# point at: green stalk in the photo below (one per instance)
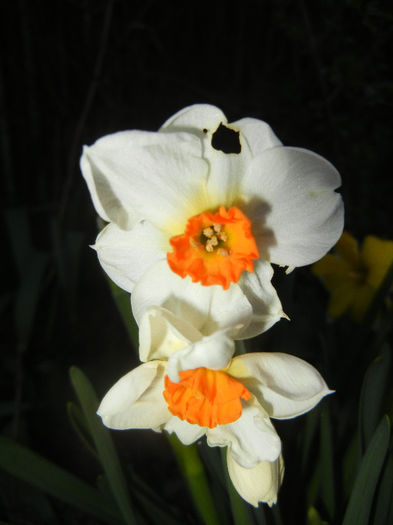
(194, 473)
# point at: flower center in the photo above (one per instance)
(205, 397)
(215, 247)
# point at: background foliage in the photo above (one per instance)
(73, 70)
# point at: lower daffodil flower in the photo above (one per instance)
(192, 387)
(212, 203)
(353, 275)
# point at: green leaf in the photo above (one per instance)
(79, 423)
(193, 471)
(41, 473)
(374, 385)
(103, 443)
(361, 500)
(384, 504)
(327, 468)
(313, 517)
(123, 303)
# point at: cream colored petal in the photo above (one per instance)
(161, 180)
(207, 308)
(258, 135)
(250, 439)
(290, 199)
(136, 400)
(126, 254)
(162, 334)
(195, 119)
(284, 385)
(214, 351)
(266, 306)
(186, 432)
(258, 484)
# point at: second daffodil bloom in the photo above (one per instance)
(211, 204)
(353, 275)
(191, 386)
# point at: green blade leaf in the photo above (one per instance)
(384, 506)
(41, 473)
(375, 382)
(327, 466)
(361, 500)
(103, 443)
(122, 300)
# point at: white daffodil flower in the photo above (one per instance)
(191, 386)
(204, 202)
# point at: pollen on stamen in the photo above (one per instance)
(215, 248)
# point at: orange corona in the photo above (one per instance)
(205, 397)
(215, 247)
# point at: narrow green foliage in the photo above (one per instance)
(327, 468)
(374, 385)
(103, 443)
(384, 501)
(362, 497)
(44, 475)
(78, 422)
(192, 468)
(122, 300)
(313, 517)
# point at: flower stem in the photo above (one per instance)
(193, 471)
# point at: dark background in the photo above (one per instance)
(319, 72)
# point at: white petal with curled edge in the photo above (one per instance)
(251, 439)
(285, 385)
(161, 180)
(258, 135)
(125, 254)
(195, 119)
(136, 400)
(207, 308)
(262, 295)
(290, 196)
(260, 483)
(214, 351)
(186, 432)
(161, 334)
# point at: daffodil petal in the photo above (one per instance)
(296, 215)
(208, 308)
(332, 270)
(250, 439)
(258, 135)
(285, 385)
(342, 295)
(161, 334)
(136, 400)
(262, 295)
(214, 351)
(196, 119)
(257, 484)
(347, 248)
(377, 255)
(186, 432)
(125, 254)
(161, 180)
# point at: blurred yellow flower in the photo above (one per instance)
(353, 275)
